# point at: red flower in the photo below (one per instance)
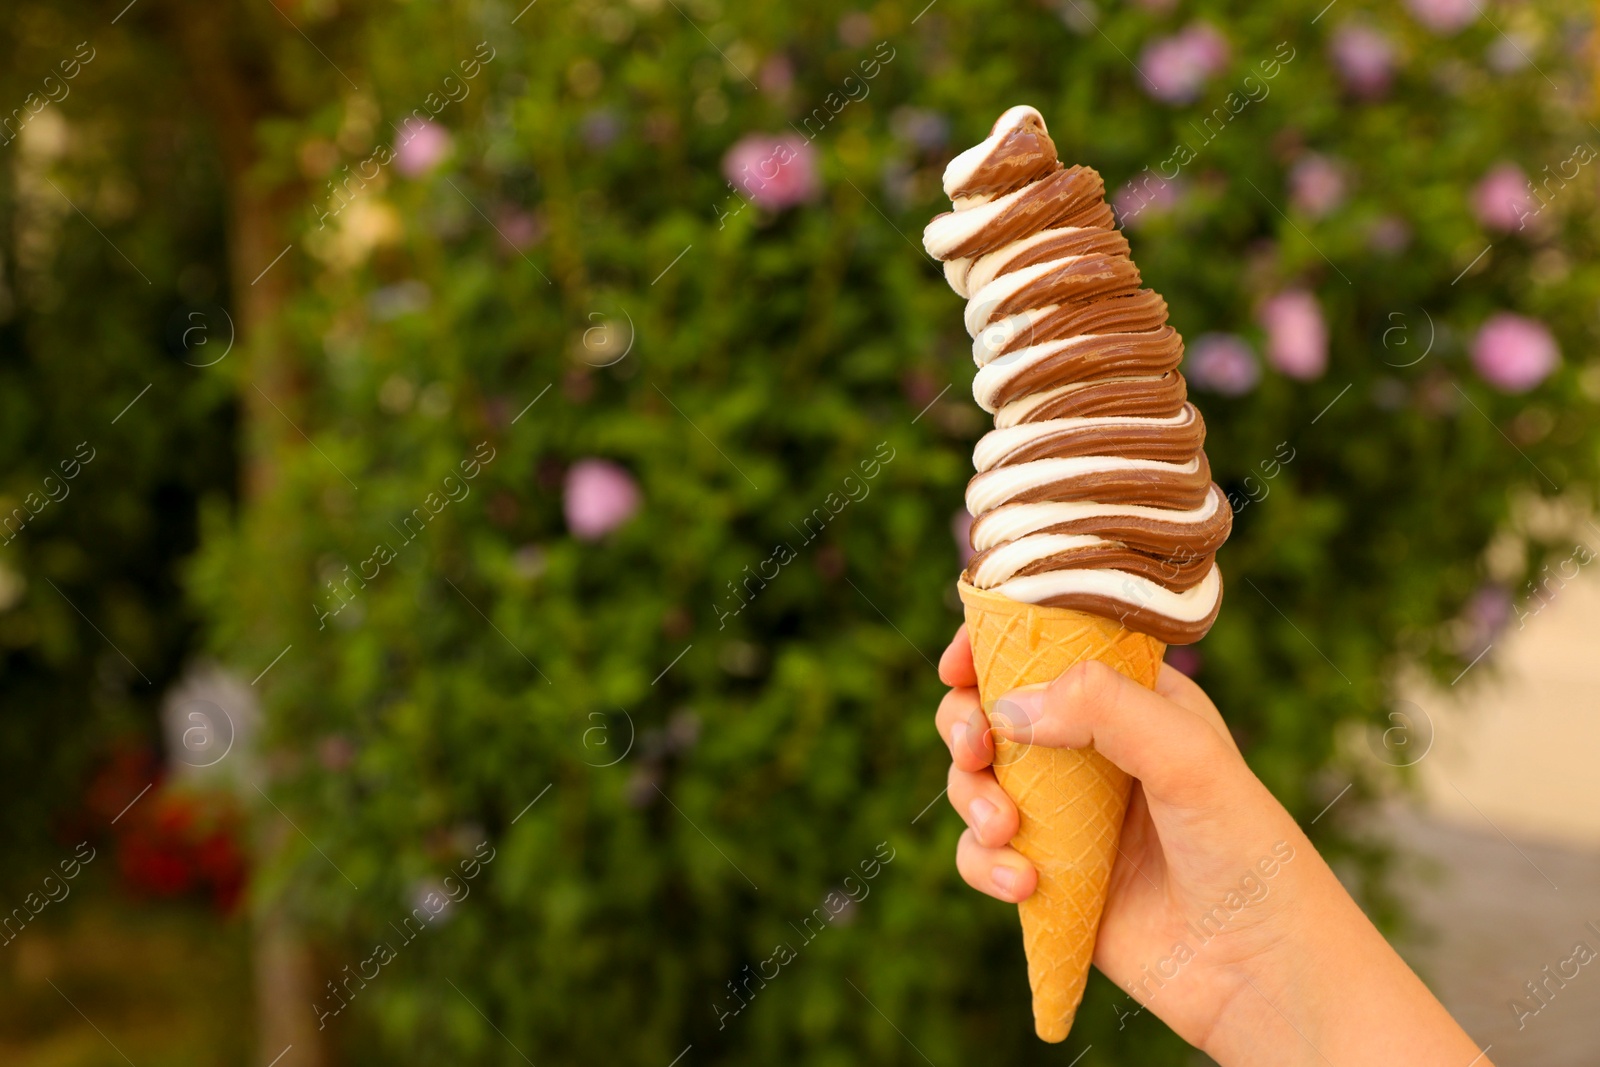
(179, 843)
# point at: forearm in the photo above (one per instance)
(1337, 995)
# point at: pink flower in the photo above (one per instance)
(773, 172)
(1364, 58)
(1388, 235)
(1222, 363)
(1444, 16)
(1316, 185)
(520, 228)
(776, 76)
(1509, 52)
(961, 530)
(855, 29)
(336, 752)
(1501, 198)
(1176, 68)
(1514, 353)
(1297, 335)
(920, 388)
(420, 147)
(599, 497)
(1155, 195)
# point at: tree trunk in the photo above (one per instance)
(233, 79)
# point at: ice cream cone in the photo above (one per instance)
(1095, 522)
(1071, 801)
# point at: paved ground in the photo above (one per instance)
(1496, 915)
(1510, 813)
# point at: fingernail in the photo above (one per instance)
(981, 811)
(1004, 877)
(958, 739)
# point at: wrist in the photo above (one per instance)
(1335, 992)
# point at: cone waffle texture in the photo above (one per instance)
(1071, 801)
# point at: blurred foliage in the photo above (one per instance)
(711, 778)
(111, 238)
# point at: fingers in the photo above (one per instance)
(978, 799)
(965, 729)
(955, 665)
(1178, 756)
(1002, 873)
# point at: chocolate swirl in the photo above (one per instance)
(1092, 492)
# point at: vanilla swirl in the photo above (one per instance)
(1092, 492)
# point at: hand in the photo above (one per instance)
(1221, 917)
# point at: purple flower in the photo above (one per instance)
(1222, 363)
(1483, 618)
(600, 128)
(1184, 659)
(925, 129)
(1514, 353)
(1501, 198)
(1316, 185)
(1365, 59)
(773, 172)
(1444, 16)
(961, 530)
(1297, 335)
(599, 497)
(421, 147)
(1176, 68)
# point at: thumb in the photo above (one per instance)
(1175, 753)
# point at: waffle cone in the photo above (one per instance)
(1071, 801)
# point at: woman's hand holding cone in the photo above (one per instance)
(1222, 919)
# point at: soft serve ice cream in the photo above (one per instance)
(1092, 491)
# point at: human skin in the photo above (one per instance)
(1297, 975)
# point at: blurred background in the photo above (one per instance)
(476, 537)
